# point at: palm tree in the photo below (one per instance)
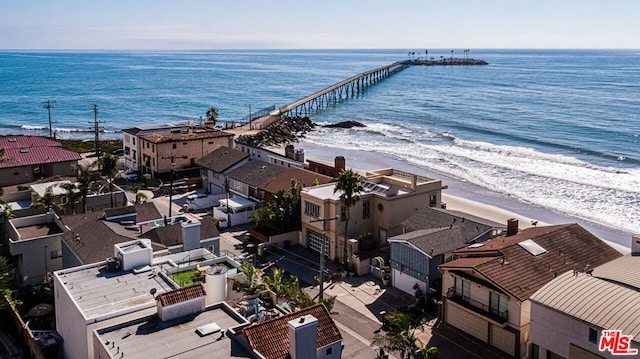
(400, 337)
(140, 196)
(72, 194)
(350, 187)
(109, 165)
(46, 201)
(250, 282)
(212, 115)
(83, 181)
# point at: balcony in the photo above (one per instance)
(494, 314)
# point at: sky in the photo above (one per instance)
(328, 24)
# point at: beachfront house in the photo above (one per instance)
(430, 237)
(390, 196)
(131, 140)
(488, 286)
(291, 158)
(24, 159)
(214, 167)
(177, 150)
(564, 323)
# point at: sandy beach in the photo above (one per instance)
(468, 198)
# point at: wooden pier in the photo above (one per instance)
(342, 90)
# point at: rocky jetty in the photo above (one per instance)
(286, 130)
(345, 124)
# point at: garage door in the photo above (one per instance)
(314, 241)
(503, 339)
(405, 282)
(466, 321)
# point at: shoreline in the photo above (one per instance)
(470, 198)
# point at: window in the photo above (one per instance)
(153, 148)
(593, 335)
(134, 141)
(210, 143)
(462, 288)
(16, 172)
(498, 304)
(433, 200)
(311, 209)
(366, 208)
(56, 254)
(329, 351)
(174, 146)
(343, 213)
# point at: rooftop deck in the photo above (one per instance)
(176, 338)
(99, 293)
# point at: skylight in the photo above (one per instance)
(532, 247)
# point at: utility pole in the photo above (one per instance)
(173, 168)
(322, 250)
(250, 128)
(48, 106)
(96, 129)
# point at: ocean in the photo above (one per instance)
(556, 129)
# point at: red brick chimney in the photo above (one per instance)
(340, 163)
(512, 226)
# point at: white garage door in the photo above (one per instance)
(467, 322)
(405, 282)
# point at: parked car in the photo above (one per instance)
(131, 175)
(191, 197)
(118, 152)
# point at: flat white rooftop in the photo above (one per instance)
(98, 293)
(149, 337)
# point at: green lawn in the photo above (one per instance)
(186, 278)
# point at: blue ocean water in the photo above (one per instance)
(554, 128)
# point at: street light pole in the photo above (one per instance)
(322, 250)
(173, 167)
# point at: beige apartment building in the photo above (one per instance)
(389, 197)
(180, 147)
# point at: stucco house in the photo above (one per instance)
(216, 164)
(487, 288)
(570, 314)
(177, 150)
(390, 196)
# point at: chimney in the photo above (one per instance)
(289, 151)
(303, 337)
(340, 163)
(635, 245)
(190, 235)
(175, 134)
(512, 226)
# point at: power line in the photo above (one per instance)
(96, 129)
(48, 106)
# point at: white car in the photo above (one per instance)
(131, 175)
(191, 197)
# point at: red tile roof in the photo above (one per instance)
(271, 338)
(181, 295)
(29, 151)
(520, 273)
